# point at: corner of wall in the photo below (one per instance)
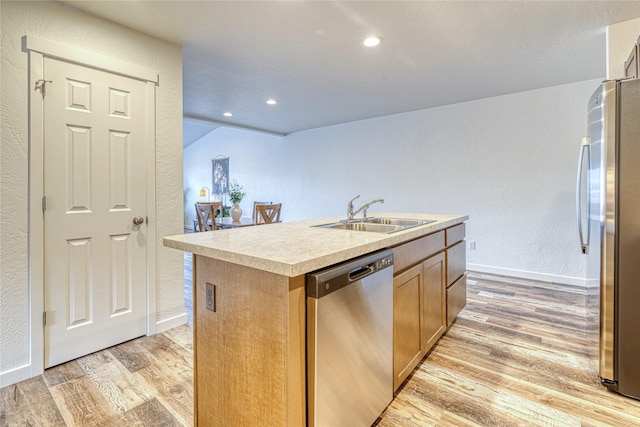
(170, 323)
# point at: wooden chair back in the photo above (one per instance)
(267, 214)
(254, 214)
(206, 213)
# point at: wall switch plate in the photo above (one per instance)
(210, 297)
(472, 245)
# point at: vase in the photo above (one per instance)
(236, 212)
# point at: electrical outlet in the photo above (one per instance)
(472, 245)
(210, 297)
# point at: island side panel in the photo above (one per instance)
(249, 353)
(297, 344)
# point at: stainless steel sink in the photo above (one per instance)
(404, 222)
(377, 225)
(363, 226)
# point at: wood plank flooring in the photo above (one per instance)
(144, 382)
(522, 353)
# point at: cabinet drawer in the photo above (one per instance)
(456, 299)
(456, 262)
(415, 251)
(454, 234)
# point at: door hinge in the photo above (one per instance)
(41, 84)
(44, 319)
(44, 203)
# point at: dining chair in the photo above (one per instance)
(254, 214)
(206, 213)
(267, 214)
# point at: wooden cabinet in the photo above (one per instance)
(419, 310)
(456, 265)
(456, 299)
(456, 262)
(429, 290)
(454, 234)
(433, 300)
(415, 251)
(407, 320)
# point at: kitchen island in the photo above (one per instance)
(249, 309)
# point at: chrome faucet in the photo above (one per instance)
(363, 208)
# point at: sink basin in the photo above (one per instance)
(378, 225)
(403, 222)
(363, 226)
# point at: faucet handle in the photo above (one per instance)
(350, 208)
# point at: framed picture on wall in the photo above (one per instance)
(220, 174)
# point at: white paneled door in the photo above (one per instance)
(94, 228)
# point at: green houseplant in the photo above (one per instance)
(235, 193)
(235, 196)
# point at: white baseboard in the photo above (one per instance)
(532, 275)
(592, 283)
(18, 374)
(25, 372)
(166, 324)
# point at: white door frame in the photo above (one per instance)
(38, 49)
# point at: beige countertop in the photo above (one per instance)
(295, 248)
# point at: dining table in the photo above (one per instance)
(228, 222)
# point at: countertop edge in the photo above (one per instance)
(358, 243)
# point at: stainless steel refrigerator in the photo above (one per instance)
(608, 204)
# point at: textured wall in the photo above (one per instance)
(509, 162)
(52, 21)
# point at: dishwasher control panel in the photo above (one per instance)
(331, 279)
(384, 262)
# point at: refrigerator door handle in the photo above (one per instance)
(584, 150)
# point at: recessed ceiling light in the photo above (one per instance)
(228, 114)
(272, 101)
(372, 41)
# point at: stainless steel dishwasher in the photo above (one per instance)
(350, 341)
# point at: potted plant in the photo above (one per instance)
(235, 196)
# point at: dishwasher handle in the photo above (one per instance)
(361, 272)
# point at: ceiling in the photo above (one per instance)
(308, 54)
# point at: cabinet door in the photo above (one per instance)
(433, 300)
(407, 319)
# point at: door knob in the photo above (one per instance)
(137, 220)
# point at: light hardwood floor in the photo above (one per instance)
(521, 353)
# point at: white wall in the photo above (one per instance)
(252, 157)
(55, 22)
(509, 162)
